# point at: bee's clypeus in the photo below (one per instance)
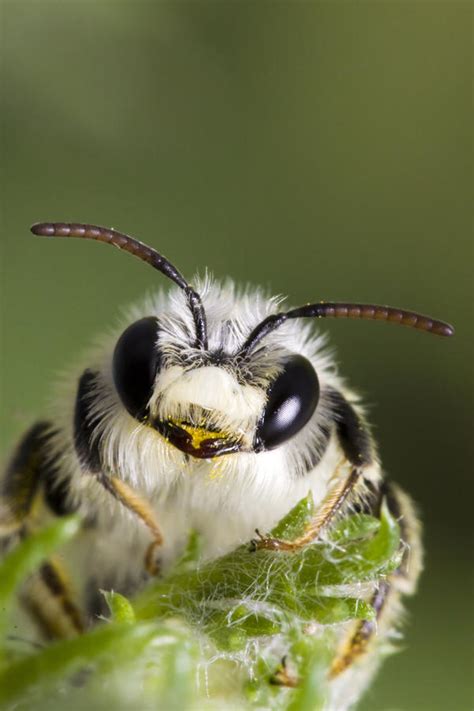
(211, 409)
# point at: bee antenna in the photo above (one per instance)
(343, 310)
(140, 250)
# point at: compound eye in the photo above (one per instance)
(291, 401)
(135, 363)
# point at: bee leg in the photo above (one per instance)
(141, 508)
(30, 482)
(89, 456)
(356, 445)
(329, 508)
(282, 677)
(364, 634)
(356, 644)
(49, 600)
(358, 641)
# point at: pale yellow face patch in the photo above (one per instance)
(210, 388)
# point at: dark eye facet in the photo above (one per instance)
(291, 401)
(135, 364)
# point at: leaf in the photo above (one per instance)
(61, 659)
(27, 557)
(354, 561)
(192, 552)
(232, 629)
(240, 607)
(294, 523)
(353, 528)
(312, 660)
(120, 608)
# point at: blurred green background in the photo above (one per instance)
(323, 149)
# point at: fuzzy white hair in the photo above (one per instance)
(224, 499)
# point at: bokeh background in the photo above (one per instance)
(323, 149)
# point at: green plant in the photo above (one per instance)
(211, 635)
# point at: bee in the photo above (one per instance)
(211, 409)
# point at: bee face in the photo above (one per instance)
(212, 403)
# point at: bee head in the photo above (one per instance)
(211, 403)
(227, 396)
